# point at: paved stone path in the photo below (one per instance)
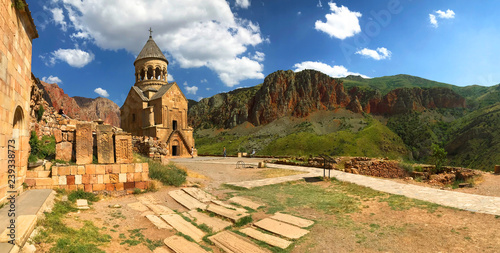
(469, 202)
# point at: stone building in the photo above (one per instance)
(154, 107)
(17, 31)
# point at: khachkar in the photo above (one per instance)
(105, 150)
(123, 148)
(84, 143)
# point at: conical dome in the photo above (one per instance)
(151, 50)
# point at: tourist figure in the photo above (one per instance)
(61, 112)
(224, 151)
(192, 152)
(253, 153)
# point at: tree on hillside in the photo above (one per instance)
(438, 157)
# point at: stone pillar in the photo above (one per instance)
(123, 148)
(84, 143)
(150, 116)
(105, 150)
(154, 74)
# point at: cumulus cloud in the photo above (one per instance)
(58, 16)
(243, 3)
(448, 14)
(381, 53)
(341, 23)
(194, 33)
(333, 71)
(170, 78)
(101, 92)
(204, 81)
(320, 5)
(74, 57)
(259, 56)
(191, 90)
(51, 79)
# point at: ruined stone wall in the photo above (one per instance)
(91, 177)
(17, 31)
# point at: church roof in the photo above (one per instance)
(151, 50)
(139, 92)
(161, 91)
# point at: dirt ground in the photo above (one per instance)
(376, 228)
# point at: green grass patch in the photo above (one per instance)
(167, 174)
(80, 194)
(243, 221)
(400, 203)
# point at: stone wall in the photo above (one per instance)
(17, 31)
(91, 177)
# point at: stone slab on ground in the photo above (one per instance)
(245, 202)
(238, 209)
(149, 198)
(281, 228)
(233, 243)
(138, 206)
(82, 204)
(159, 209)
(183, 226)
(267, 238)
(24, 226)
(159, 223)
(293, 220)
(199, 194)
(214, 223)
(186, 200)
(162, 250)
(180, 244)
(227, 213)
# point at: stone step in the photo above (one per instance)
(159, 223)
(245, 202)
(267, 238)
(183, 226)
(180, 244)
(233, 243)
(227, 213)
(186, 200)
(159, 209)
(138, 206)
(281, 228)
(24, 226)
(228, 206)
(214, 223)
(199, 194)
(149, 198)
(293, 220)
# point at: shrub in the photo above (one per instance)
(80, 194)
(39, 113)
(438, 157)
(47, 147)
(407, 167)
(34, 143)
(167, 174)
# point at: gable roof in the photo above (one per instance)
(161, 91)
(151, 50)
(139, 92)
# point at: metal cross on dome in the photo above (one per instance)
(150, 32)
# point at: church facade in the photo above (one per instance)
(154, 107)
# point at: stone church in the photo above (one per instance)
(154, 107)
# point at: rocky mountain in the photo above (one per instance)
(287, 93)
(80, 107)
(57, 99)
(99, 108)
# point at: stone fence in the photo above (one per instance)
(91, 177)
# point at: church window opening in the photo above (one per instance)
(174, 125)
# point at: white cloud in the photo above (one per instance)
(381, 53)
(446, 15)
(194, 33)
(208, 88)
(51, 79)
(57, 14)
(191, 90)
(320, 5)
(333, 71)
(101, 92)
(199, 98)
(243, 3)
(74, 57)
(259, 56)
(432, 19)
(185, 83)
(299, 13)
(170, 78)
(204, 81)
(341, 23)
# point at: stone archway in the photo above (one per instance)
(21, 146)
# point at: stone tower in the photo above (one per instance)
(154, 107)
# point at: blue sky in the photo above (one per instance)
(88, 46)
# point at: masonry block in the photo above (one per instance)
(109, 169)
(115, 169)
(70, 180)
(90, 169)
(110, 187)
(88, 188)
(62, 180)
(130, 177)
(93, 179)
(85, 179)
(80, 170)
(138, 167)
(30, 182)
(44, 181)
(137, 177)
(130, 168)
(78, 179)
(129, 185)
(123, 168)
(98, 187)
(119, 186)
(72, 170)
(55, 170)
(64, 171)
(145, 167)
(141, 185)
(106, 179)
(122, 177)
(100, 169)
(72, 187)
(144, 176)
(100, 179)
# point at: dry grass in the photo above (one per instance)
(270, 173)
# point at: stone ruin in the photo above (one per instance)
(80, 144)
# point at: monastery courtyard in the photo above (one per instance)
(294, 210)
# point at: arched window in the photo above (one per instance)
(150, 73)
(158, 73)
(142, 75)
